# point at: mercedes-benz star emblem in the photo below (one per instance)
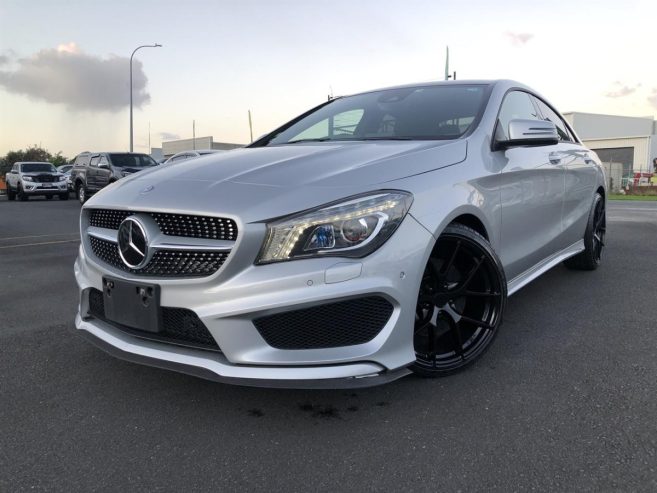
(133, 243)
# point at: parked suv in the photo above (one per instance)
(26, 179)
(95, 170)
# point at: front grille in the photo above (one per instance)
(164, 263)
(179, 325)
(45, 178)
(186, 225)
(343, 323)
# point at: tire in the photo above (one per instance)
(49, 197)
(81, 193)
(594, 238)
(11, 195)
(21, 194)
(63, 196)
(460, 304)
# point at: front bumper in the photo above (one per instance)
(34, 188)
(228, 304)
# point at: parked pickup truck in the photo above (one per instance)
(94, 170)
(26, 179)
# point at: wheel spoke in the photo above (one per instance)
(471, 274)
(432, 342)
(476, 321)
(449, 264)
(457, 339)
(487, 294)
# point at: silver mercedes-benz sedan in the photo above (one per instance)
(373, 236)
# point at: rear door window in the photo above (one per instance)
(551, 116)
(94, 161)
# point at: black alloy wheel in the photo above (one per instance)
(460, 303)
(594, 238)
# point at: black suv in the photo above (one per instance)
(95, 170)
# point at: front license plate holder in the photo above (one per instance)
(133, 304)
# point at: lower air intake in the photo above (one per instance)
(343, 323)
(179, 325)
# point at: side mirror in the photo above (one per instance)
(529, 133)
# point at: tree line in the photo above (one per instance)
(34, 153)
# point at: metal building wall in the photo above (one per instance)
(641, 146)
(590, 126)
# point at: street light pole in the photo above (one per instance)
(131, 56)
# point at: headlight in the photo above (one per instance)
(351, 228)
(28, 178)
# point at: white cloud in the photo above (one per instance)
(621, 90)
(80, 81)
(652, 99)
(518, 39)
(68, 48)
(165, 136)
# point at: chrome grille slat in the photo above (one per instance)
(165, 263)
(183, 225)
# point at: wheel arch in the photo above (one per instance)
(601, 191)
(471, 216)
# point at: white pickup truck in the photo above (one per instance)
(26, 179)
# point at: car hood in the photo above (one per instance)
(263, 182)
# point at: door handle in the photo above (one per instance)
(555, 158)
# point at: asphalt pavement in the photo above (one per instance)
(564, 400)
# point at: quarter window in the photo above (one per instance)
(517, 105)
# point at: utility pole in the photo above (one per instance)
(194, 135)
(156, 45)
(250, 126)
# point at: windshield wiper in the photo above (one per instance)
(323, 139)
(353, 139)
(385, 138)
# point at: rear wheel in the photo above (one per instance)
(63, 196)
(460, 303)
(81, 192)
(48, 197)
(11, 195)
(594, 238)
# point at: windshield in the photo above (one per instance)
(37, 168)
(411, 113)
(132, 160)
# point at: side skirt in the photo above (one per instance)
(543, 266)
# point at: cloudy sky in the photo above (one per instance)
(64, 65)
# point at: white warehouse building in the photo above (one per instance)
(173, 146)
(629, 140)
